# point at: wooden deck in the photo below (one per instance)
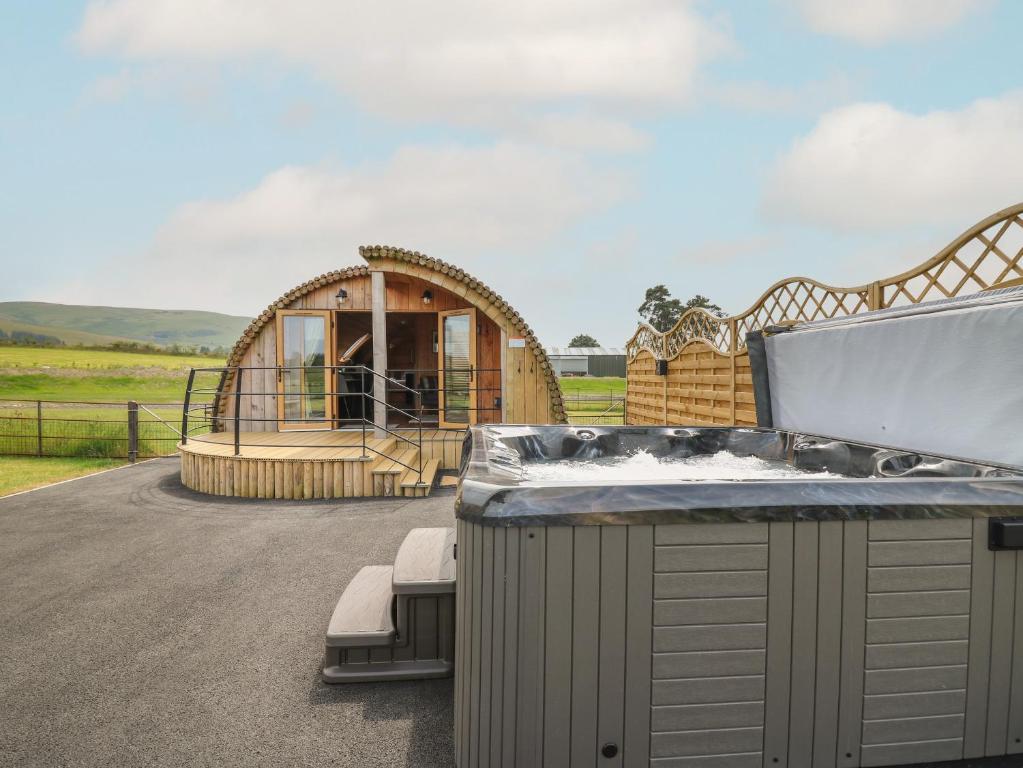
(314, 464)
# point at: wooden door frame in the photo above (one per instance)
(473, 416)
(329, 355)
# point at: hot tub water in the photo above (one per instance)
(644, 466)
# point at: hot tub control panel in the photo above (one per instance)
(1005, 533)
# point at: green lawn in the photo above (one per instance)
(35, 373)
(71, 377)
(98, 359)
(595, 385)
(590, 400)
(21, 474)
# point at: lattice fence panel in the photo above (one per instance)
(983, 260)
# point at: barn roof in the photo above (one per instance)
(585, 351)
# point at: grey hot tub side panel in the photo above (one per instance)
(632, 636)
(840, 623)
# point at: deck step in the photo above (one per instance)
(425, 563)
(411, 485)
(448, 481)
(397, 463)
(364, 615)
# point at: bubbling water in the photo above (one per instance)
(643, 466)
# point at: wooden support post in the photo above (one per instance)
(504, 383)
(875, 297)
(664, 356)
(733, 348)
(133, 431)
(39, 427)
(379, 294)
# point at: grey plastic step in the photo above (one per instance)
(364, 616)
(425, 564)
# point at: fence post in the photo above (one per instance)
(733, 350)
(133, 431)
(237, 412)
(39, 427)
(184, 408)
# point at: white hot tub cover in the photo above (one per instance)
(943, 377)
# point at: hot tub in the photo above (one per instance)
(843, 605)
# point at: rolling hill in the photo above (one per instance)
(99, 326)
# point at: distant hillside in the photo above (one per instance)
(75, 324)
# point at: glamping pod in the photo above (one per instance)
(362, 382)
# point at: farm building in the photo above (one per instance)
(363, 381)
(587, 361)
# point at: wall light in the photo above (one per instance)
(427, 297)
(342, 296)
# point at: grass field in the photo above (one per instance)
(590, 400)
(36, 373)
(22, 474)
(29, 374)
(596, 385)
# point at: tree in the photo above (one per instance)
(659, 309)
(583, 340)
(662, 311)
(704, 303)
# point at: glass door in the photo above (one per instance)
(456, 336)
(303, 339)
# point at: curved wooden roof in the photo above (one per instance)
(475, 291)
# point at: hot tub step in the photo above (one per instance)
(425, 564)
(364, 616)
(382, 671)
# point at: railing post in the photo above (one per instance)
(184, 409)
(133, 431)
(237, 412)
(39, 427)
(362, 388)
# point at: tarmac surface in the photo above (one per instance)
(143, 624)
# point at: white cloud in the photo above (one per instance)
(872, 22)
(870, 166)
(582, 132)
(767, 98)
(462, 204)
(412, 59)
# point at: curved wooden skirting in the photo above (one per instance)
(326, 465)
(277, 479)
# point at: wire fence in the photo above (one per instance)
(123, 430)
(595, 409)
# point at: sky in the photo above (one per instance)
(212, 154)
